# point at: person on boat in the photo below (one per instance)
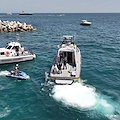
(17, 50)
(22, 49)
(55, 70)
(16, 69)
(61, 57)
(6, 45)
(59, 65)
(64, 63)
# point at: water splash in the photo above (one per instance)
(85, 98)
(46, 86)
(5, 112)
(75, 95)
(46, 77)
(3, 73)
(47, 81)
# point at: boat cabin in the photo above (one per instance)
(66, 55)
(12, 49)
(67, 40)
(13, 46)
(67, 51)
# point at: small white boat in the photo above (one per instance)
(67, 64)
(85, 22)
(14, 52)
(9, 13)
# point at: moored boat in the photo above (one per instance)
(85, 22)
(14, 52)
(67, 64)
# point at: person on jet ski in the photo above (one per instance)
(16, 69)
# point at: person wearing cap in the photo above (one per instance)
(16, 69)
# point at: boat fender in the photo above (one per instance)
(7, 53)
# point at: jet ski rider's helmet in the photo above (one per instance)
(16, 65)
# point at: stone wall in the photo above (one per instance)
(13, 26)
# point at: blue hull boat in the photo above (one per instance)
(21, 75)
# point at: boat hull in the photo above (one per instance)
(17, 77)
(85, 24)
(14, 59)
(25, 14)
(64, 82)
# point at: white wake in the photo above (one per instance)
(3, 73)
(83, 97)
(76, 95)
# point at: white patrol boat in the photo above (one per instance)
(67, 64)
(14, 52)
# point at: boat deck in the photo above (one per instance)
(68, 73)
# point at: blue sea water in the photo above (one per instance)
(96, 98)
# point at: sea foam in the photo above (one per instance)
(75, 95)
(83, 97)
(3, 73)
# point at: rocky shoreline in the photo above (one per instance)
(13, 26)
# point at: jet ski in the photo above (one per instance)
(21, 75)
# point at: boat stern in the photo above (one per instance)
(64, 81)
(34, 56)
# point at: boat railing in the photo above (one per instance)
(30, 51)
(55, 60)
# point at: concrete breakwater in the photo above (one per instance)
(13, 26)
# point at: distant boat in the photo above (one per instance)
(85, 22)
(23, 13)
(62, 15)
(9, 13)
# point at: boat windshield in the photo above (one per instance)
(9, 47)
(68, 40)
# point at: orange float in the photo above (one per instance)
(7, 53)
